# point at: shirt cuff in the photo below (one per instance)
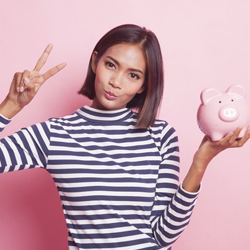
(3, 122)
(190, 194)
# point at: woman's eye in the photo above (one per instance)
(109, 64)
(134, 76)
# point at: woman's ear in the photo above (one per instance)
(93, 61)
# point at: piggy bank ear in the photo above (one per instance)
(237, 90)
(208, 93)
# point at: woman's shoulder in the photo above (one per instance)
(163, 125)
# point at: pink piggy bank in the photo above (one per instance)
(221, 113)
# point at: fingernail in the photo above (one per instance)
(21, 89)
(26, 80)
(17, 89)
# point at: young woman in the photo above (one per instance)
(116, 170)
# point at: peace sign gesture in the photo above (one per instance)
(25, 85)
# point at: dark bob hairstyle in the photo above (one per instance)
(147, 102)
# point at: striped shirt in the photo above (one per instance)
(118, 184)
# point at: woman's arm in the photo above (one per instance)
(28, 147)
(25, 86)
(206, 152)
(174, 205)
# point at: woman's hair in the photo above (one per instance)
(147, 102)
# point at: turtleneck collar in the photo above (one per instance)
(104, 116)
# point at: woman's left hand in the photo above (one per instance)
(206, 152)
(209, 149)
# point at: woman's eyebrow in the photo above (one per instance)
(116, 62)
(110, 57)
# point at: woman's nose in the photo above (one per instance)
(115, 80)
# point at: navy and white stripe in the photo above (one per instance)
(119, 185)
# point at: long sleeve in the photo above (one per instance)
(173, 205)
(27, 148)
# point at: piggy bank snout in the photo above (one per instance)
(229, 113)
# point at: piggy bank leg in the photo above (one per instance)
(216, 136)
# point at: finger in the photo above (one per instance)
(53, 71)
(42, 60)
(24, 80)
(32, 89)
(13, 86)
(205, 138)
(247, 134)
(235, 135)
(244, 138)
(225, 139)
(16, 81)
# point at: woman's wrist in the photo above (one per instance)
(9, 108)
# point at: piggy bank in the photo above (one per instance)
(222, 112)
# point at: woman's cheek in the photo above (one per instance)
(133, 88)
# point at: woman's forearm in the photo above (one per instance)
(9, 108)
(192, 181)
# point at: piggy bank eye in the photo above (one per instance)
(219, 101)
(232, 100)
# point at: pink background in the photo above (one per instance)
(204, 44)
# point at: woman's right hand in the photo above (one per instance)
(25, 85)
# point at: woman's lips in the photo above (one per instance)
(109, 95)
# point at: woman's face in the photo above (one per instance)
(120, 74)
